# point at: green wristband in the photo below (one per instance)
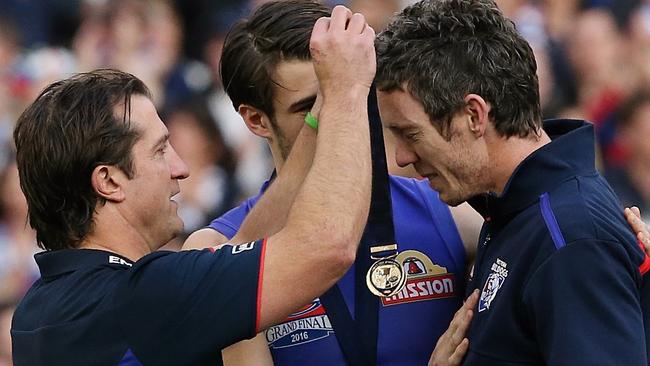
(311, 121)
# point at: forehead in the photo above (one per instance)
(144, 118)
(399, 109)
(295, 80)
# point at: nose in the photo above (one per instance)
(178, 168)
(404, 155)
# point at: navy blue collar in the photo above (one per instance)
(58, 262)
(571, 153)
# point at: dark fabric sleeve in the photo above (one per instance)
(584, 304)
(645, 306)
(183, 308)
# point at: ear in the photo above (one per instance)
(106, 181)
(256, 121)
(477, 111)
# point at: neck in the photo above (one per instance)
(113, 233)
(278, 160)
(508, 153)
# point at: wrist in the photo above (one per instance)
(311, 121)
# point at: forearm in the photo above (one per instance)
(333, 202)
(270, 213)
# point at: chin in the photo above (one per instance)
(178, 227)
(452, 200)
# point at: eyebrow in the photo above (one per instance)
(161, 141)
(302, 104)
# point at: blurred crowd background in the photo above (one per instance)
(593, 63)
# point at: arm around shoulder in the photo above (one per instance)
(204, 238)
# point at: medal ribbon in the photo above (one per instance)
(358, 337)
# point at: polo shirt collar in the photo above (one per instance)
(571, 153)
(58, 262)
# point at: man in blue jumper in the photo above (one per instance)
(558, 271)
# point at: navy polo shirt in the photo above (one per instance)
(557, 264)
(92, 307)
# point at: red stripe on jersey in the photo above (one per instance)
(259, 287)
(645, 266)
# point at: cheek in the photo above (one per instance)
(465, 165)
(293, 127)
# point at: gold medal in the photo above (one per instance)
(385, 277)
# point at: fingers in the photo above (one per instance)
(320, 28)
(457, 357)
(461, 320)
(357, 24)
(342, 49)
(340, 17)
(633, 216)
(640, 228)
(453, 345)
(461, 328)
(472, 300)
(635, 210)
(464, 320)
(369, 32)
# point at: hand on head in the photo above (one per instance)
(343, 51)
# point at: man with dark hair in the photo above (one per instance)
(100, 175)
(268, 72)
(557, 268)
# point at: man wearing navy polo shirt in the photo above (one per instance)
(99, 176)
(558, 272)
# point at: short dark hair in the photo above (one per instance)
(276, 31)
(443, 50)
(71, 128)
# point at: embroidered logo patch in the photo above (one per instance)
(493, 284)
(425, 280)
(306, 325)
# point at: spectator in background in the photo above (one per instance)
(17, 241)
(378, 13)
(254, 164)
(143, 37)
(12, 86)
(211, 189)
(639, 42)
(631, 182)
(596, 51)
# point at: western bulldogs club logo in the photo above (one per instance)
(425, 280)
(306, 325)
(495, 280)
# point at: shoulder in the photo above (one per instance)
(414, 190)
(228, 224)
(204, 238)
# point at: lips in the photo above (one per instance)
(431, 176)
(173, 196)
